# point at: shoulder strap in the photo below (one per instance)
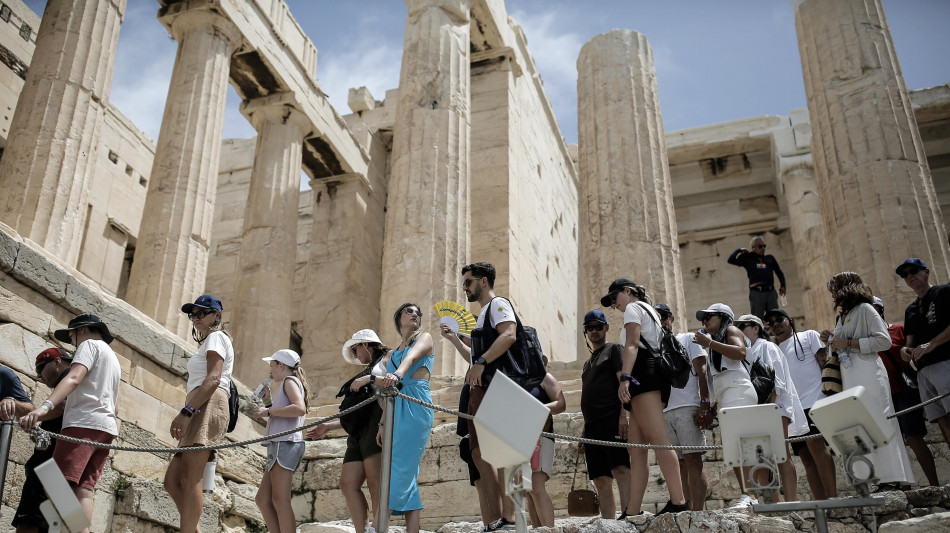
(642, 338)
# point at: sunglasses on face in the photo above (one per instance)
(594, 327)
(775, 321)
(199, 314)
(411, 311)
(913, 271)
(469, 281)
(762, 246)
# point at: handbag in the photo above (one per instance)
(831, 375)
(763, 379)
(581, 502)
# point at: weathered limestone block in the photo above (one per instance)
(129, 524)
(13, 484)
(874, 183)
(303, 506)
(10, 242)
(18, 348)
(329, 505)
(326, 527)
(147, 500)
(453, 496)
(243, 501)
(171, 255)
(321, 474)
(360, 100)
(49, 158)
(934, 523)
(626, 196)
(325, 449)
(238, 464)
(429, 465)
(143, 465)
(102, 507)
(427, 206)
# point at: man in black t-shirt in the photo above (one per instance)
(762, 269)
(52, 365)
(927, 330)
(603, 416)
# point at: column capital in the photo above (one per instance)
(332, 182)
(280, 107)
(200, 14)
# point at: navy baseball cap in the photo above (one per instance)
(595, 316)
(663, 309)
(205, 301)
(910, 262)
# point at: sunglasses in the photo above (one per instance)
(762, 246)
(469, 281)
(594, 327)
(913, 271)
(199, 314)
(411, 311)
(775, 321)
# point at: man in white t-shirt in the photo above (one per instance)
(685, 412)
(495, 332)
(805, 355)
(90, 391)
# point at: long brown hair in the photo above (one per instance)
(396, 316)
(848, 291)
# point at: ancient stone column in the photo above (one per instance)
(171, 255)
(262, 307)
(47, 167)
(875, 188)
(627, 221)
(427, 218)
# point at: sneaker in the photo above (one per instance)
(502, 524)
(370, 529)
(671, 507)
(744, 502)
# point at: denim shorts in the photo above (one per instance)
(286, 454)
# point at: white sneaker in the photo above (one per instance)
(744, 502)
(370, 529)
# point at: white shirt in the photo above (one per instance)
(688, 396)
(786, 395)
(220, 343)
(803, 367)
(92, 404)
(501, 311)
(641, 313)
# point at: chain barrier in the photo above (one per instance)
(40, 434)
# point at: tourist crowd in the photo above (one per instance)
(624, 398)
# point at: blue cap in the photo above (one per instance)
(663, 309)
(205, 301)
(910, 262)
(595, 315)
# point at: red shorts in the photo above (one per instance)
(82, 464)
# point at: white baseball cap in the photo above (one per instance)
(713, 309)
(361, 336)
(288, 357)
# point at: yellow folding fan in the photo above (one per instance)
(456, 316)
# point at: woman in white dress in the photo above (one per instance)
(785, 396)
(859, 335)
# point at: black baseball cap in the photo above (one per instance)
(774, 312)
(616, 286)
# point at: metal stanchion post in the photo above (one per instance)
(382, 520)
(6, 435)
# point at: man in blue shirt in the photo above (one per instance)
(760, 267)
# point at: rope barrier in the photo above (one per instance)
(39, 434)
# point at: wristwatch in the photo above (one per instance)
(479, 361)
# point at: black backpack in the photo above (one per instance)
(523, 363)
(671, 360)
(234, 406)
(763, 379)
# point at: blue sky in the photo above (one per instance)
(715, 60)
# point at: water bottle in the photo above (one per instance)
(207, 482)
(259, 391)
(844, 358)
(784, 301)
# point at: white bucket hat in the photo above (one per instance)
(288, 357)
(361, 336)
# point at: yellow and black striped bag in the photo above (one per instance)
(831, 375)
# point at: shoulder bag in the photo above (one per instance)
(671, 360)
(581, 502)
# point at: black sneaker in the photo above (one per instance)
(502, 524)
(670, 507)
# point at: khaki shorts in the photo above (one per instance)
(211, 424)
(683, 430)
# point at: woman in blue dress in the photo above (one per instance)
(409, 364)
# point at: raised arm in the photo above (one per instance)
(421, 347)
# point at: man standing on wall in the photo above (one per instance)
(927, 329)
(687, 414)
(806, 356)
(604, 418)
(761, 269)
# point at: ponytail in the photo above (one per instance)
(300, 374)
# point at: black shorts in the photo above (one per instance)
(28, 511)
(602, 459)
(913, 423)
(812, 430)
(643, 372)
(466, 454)
(362, 444)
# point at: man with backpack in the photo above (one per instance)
(495, 333)
(687, 414)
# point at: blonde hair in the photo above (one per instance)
(299, 373)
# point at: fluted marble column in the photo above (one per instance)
(427, 218)
(627, 220)
(260, 323)
(876, 192)
(171, 256)
(48, 163)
